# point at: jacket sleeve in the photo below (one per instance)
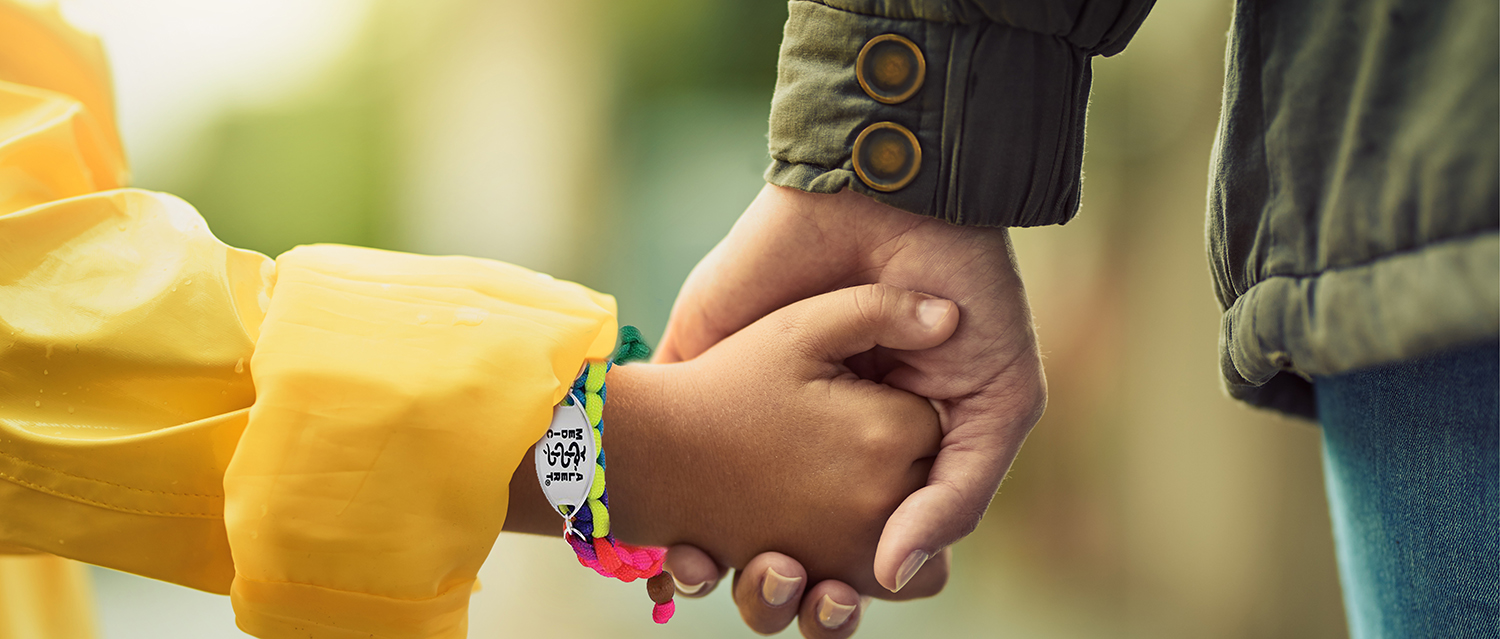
(395, 396)
(119, 401)
(328, 437)
(971, 111)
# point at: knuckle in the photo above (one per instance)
(871, 302)
(880, 441)
(968, 522)
(967, 515)
(873, 506)
(793, 329)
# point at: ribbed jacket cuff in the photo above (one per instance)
(999, 116)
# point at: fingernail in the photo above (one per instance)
(931, 312)
(833, 614)
(776, 589)
(688, 589)
(909, 568)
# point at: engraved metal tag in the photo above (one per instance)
(565, 458)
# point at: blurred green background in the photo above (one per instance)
(614, 143)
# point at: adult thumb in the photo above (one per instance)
(850, 321)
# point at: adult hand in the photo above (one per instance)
(986, 381)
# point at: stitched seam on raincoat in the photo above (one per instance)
(101, 481)
(314, 622)
(303, 620)
(353, 592)
(84, 500)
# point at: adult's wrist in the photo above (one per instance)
(853, 232)
(838, 236)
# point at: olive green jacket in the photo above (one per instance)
(1353, 201)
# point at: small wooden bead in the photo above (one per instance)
(660, 588)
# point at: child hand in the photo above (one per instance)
(768, 441)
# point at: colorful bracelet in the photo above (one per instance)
(575, 487)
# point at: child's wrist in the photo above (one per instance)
(638, 415)
(577, 472)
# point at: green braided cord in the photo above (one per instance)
(632, 348)
(594, 380)
(592, 540)
(593, 407)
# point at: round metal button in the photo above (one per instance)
(890, 68)
(886, 156)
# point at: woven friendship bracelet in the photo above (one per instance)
(567, 459)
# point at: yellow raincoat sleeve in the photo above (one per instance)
(329, 436)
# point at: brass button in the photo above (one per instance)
(890, 68)
(886, 156)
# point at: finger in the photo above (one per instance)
(830, 610)
(768, 591)
(667, 351)
(843, 323)
(693, 324)
(975, 455)
(878, 363)
(930, 579)
(693, 571)
(771, 258)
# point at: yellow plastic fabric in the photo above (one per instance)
(396, 395)
(352, 416)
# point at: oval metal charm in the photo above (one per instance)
(566, 458)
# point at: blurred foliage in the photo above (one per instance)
(319, 169)
(699, 46)
(315, 172)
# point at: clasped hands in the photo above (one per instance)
(984, 380)
(841, 388)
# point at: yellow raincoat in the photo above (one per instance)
(328, 437)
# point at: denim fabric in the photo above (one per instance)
(1411, 459)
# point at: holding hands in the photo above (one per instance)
(841, 388)
(985, 380)
(769, 441)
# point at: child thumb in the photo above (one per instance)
(850, 321)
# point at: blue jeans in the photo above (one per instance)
(1411, 459)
